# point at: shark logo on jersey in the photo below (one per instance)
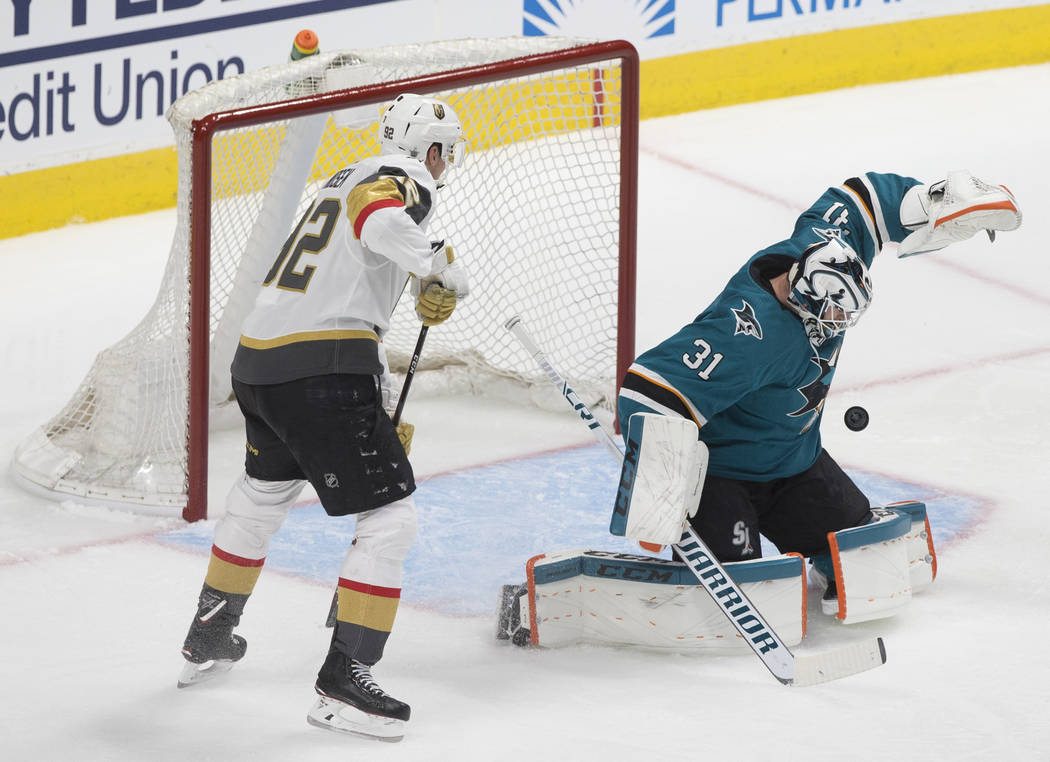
(746, 322)
(828, 234)
(816, 391)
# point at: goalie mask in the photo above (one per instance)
(413, 123)
(830, 289)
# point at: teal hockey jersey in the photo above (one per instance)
(744, 369)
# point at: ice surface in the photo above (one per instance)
(952, 363)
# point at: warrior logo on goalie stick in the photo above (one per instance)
(746, 322)
(725, 591)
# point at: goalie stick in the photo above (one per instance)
(788, 668)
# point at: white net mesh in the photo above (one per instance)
(534, 213)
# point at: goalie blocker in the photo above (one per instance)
(661, 478)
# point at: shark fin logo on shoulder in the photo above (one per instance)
(746, 322)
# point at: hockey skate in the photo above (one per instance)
(211, 648)
(823, 574)
(350, 701)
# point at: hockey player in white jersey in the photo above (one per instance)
(310, 377)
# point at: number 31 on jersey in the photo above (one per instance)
(703, 362)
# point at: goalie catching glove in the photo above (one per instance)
(437, 295)
(954, 210)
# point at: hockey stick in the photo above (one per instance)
(410, 373)
(788, 668)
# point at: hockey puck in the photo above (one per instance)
(856, 418)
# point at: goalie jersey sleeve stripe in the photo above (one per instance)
(651, 390)
(883, 228)
(868, 203)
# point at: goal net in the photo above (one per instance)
(543, 213)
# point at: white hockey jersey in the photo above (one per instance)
(327, 300)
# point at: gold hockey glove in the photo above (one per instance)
(404, 433)
(435, 304)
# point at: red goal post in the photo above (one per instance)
(544, 213)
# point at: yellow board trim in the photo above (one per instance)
(862, 56)
(88, 191)
(295, 338)
(145, 181)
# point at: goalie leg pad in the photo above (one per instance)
(609, 598)
(870, 562)
(660, 480)
(922, 558)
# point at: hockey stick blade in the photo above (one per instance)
(789, 669)
(822, 667)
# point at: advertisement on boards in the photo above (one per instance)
(668, 27)
(82, 80)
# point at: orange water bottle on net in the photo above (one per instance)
(305, 44)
